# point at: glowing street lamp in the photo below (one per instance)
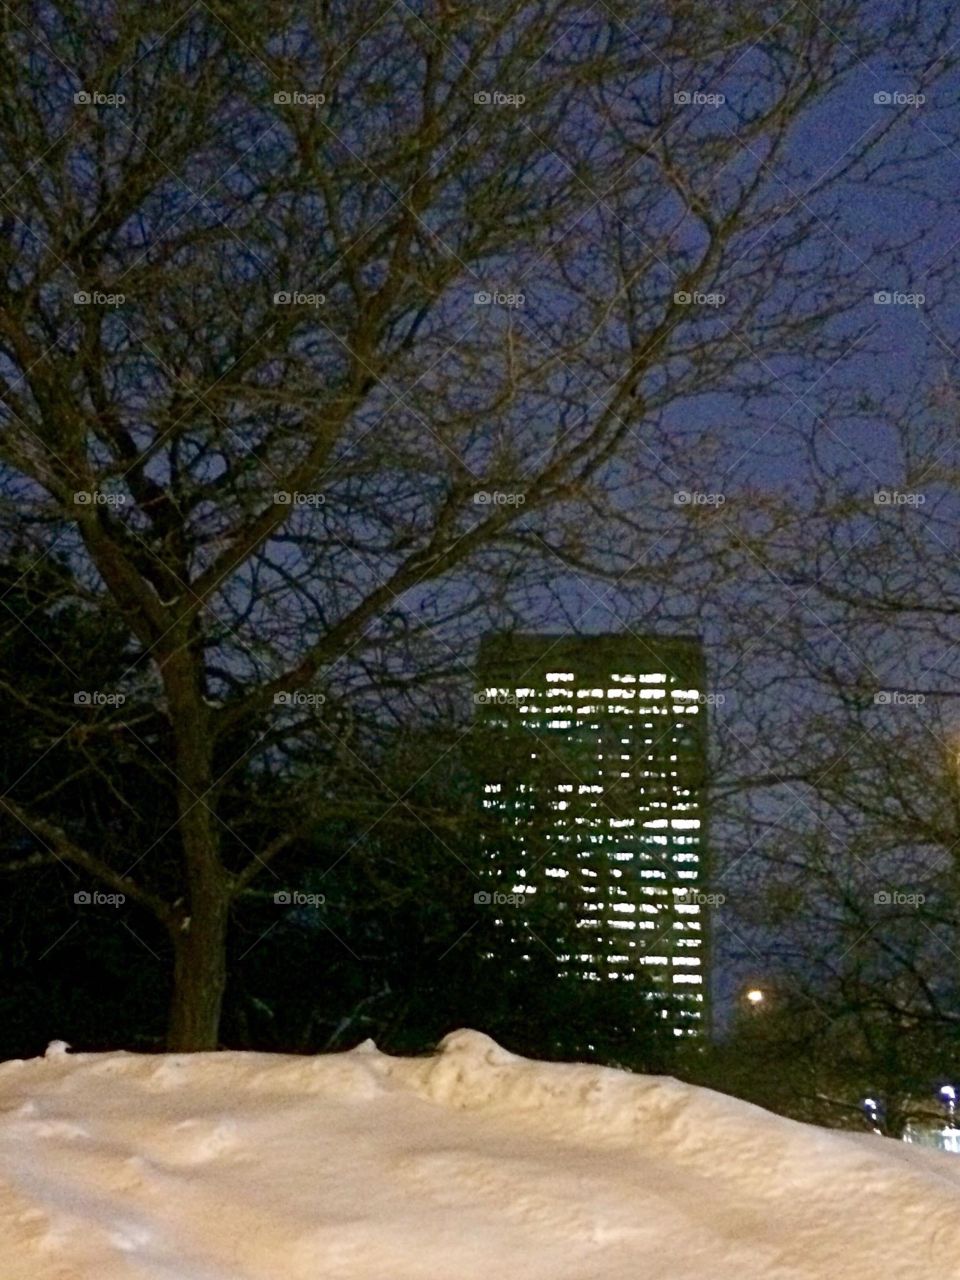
(871, 1110)
(754, 996)
(949, 1095)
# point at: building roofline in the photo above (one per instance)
(586, 637)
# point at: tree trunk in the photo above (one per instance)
(199, 972)
(199, 933)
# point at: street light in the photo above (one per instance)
(754, 996)
(871, 1109)
(949, 1095)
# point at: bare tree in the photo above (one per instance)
(844, 877)
(329, 332)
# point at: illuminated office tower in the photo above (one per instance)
(594, 762)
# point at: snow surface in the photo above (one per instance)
(467, 1165)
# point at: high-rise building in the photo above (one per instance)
(594, 765)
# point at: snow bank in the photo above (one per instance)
(465, 1166)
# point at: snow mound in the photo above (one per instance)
(466, 1165)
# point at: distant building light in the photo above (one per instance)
(622, 810)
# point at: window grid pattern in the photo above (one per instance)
(609, 809)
